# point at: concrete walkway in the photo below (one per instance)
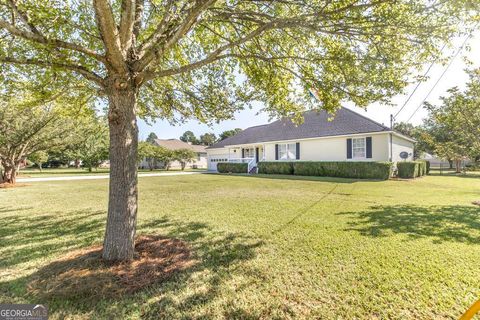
(96, 177)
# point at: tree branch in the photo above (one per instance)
(170, 33)
(76, 68)
(127, 20)
(213, 56)
(38, 38)
(108, 32)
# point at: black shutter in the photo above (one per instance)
(349, 148)
(243, 153)
(297, 151)
(256, 154)
(368, 141)
(276, 152)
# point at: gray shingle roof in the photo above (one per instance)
(175, 144)
(315, 124)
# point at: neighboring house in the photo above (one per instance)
(175, 144)
(348, 137)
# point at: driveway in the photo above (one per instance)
(95, 177)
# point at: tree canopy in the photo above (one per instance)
(206, 59)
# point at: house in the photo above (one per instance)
(349, 136)
(175, 144)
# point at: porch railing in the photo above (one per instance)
(250, 161)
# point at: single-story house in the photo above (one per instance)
(349, 136)
(176, 144)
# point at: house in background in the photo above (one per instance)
(348, 137)
(175, 144)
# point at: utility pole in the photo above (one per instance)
(391, 137)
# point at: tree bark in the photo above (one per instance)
(122, 207)
(9, 174)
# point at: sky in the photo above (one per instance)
(454, 76)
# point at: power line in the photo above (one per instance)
(420, 81)
(443, 73)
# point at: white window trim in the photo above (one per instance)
(286, 148)
(364, 147)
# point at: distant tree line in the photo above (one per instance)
(452, 129)
(207, 139)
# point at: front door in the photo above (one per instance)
(257, 154)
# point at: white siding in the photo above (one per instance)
(400, 144)
(334, 148)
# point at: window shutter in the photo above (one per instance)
(243, 153)
(349, 148)
(297, 151)
(368, 142)
(276, 152)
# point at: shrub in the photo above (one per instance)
(408, 169)
(428, 166)
(344, 169)
(423, 168)
(231, 167)
(278, 167)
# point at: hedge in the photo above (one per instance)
(412, 169)
(344, 169)
(278, 167)
(232, 167)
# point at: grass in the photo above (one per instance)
(267, 246)
(65, 172)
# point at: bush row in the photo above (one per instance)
(413, 169)
(342, 169)
(232, 167)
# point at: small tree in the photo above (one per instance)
(27, 127)
(146, 151)
(184, 156)
(90, 142)
(163, 155)
(39, 158)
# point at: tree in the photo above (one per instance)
(456, 122)
(146, 151)
(27, 127)
(39, 158)
(151, 138)
(208, 139)
(184, 156)
(90, 143)
(179, 60)
(419, 133)
(229, 133)
(189, 136)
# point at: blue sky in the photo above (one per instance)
(455, 76)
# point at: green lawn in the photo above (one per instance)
(65, 172)
(268, 247)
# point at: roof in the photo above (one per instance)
(315, 124)
(175, 144)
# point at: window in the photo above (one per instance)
(249, 152)
(359, 148)
(287, 151)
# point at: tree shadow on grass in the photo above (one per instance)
(24, 238)
(78, 284)
(439, 223)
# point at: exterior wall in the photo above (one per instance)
(400, 144)
(334, 149)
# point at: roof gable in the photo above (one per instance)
(315, 124)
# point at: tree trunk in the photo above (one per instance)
(9, 172)
(77, 163)
(39, 166)
(122, 205)
(458, 166)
